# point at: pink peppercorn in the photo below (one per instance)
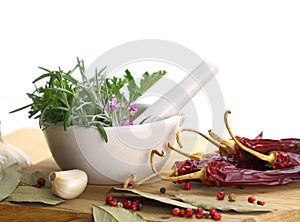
(187, 186)
(251, 199)
(260, 202)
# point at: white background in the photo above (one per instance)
(255, 44)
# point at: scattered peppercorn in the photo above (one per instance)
(162, 190)
(212, 212)
(41, 181)
(260, 202)
(133, 207)
(108, 199)
(182, 213)
(199, 215)
(187, 186)
(112, 203)
(206, 215)
(199, 210)
(176, 211)
(251, 199)
(189, 212)
(135, 202)
(232, 197)
(139, 206)
(127, 204)
(217, 216)
(221, 195)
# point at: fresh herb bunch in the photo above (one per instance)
(95, 102)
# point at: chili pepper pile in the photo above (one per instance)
(242, 161)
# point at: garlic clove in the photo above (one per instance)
(68, 184)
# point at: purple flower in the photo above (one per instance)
(133, 108)
(113, 104)
(126, 123)
(129, 112)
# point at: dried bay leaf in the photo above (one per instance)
(114, 214)
(10, 180)
(33, 177)
(156, 197)
(210, 203)
(33, 194)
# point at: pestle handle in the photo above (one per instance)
(176, 98)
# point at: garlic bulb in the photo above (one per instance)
(10, 154)
(68, 184)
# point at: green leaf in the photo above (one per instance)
(10, 180)
(102, 131)
(21, 108)
(146, 82)
(42, 68)
(43, 76)
(156, 197)
(59, 90)
(33, 194)
(114, 214)
(134, 91)
(210, 203)
(149, 80)
(70, 79)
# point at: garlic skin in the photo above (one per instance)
(10, 155)
(68, 184)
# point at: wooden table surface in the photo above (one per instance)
(284, 199)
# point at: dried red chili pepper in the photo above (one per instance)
(220, 172)
(224, 173)
(278, 160)
(262, 163)
(275, 159)
(291, 145)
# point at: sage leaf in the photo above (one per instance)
(114, 214)
(210, 203)
(10, 180)
(33, 194)
(156, 197)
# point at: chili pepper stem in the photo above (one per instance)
(226, 146)
(199, 175)
(197, 132)
(130, 178)
(156, 173)
(271, 158)
(195, 156)
(178, 138)
(159, 173)
(157, 152)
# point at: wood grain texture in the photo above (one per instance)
(12, 212)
